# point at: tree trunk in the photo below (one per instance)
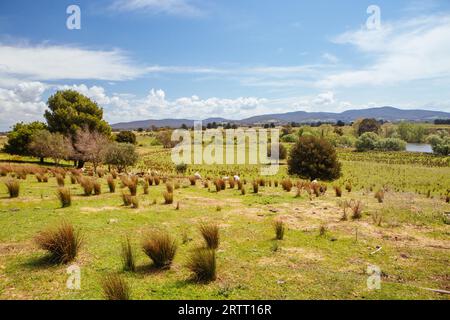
(80, 164)
(41, 160)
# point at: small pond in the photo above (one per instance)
(419, 147)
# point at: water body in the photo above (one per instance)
(419, 147)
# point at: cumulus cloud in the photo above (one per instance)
(21, 103)
(409, 50)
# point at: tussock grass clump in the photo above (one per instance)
(73, 179)
(219, 184)
(128, 256)
(255, 185)
(59, 180)
(202, 264)
(210, 233)
(145, 186)
(379, 195)
(114, 174)
(149, 180)
(13, 186)
(160, 248)
(127, 199)
(168, 197)
(132, 184)
(286, 184)
(356, 207)
(97, 187)
(338, 191)
(115, 288)
(279, 229)
(64, 196)
(169, 187)
(62, 242)
(101, 172)
(348, 187)
(134, 202)
(87, 184)
(261, 182)
(111, 184)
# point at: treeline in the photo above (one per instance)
(74, 131)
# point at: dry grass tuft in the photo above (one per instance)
(160, 248)
(168, 197)
(128, 256)
(115, 287)
(13, 186)
(286, 184)
(63, 242)
(279, 229)
(210, 233)
(64, 196)
(202, 264)
(87, 184)
(111, 184)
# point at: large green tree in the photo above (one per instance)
(69, 111)
(20, 137)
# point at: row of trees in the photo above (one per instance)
(75, 130)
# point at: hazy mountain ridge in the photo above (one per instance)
(383, 113)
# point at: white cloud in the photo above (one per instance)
(330, 58)
(170, 7)
(57, 62)
(410, 50)
(325, 98)
(21, 103)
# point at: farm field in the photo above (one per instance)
(322, 255)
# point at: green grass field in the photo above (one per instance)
(413, 236)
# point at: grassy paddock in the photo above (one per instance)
(320, 257)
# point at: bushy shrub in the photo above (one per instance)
(126, 137)
(367, 141)
(314, 158)
(390, 144)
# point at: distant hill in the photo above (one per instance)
(383, 113)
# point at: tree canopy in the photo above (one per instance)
(69, 111)
(20, 137)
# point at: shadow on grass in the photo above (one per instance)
(149, 269)
(41, 262)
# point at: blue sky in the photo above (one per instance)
(142, 59)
